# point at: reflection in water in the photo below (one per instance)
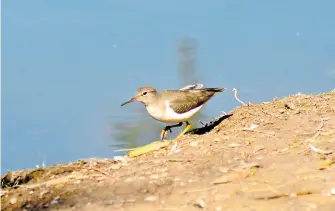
(135, 132)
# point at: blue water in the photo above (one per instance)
(67, 67)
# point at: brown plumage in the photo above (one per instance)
(190, 98)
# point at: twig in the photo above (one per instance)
(98, 170)
(235, 95)
(317, 150)
(280, 195)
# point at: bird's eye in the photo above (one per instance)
(144, 93)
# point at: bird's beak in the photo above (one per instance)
(129, 101)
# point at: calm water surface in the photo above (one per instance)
(67, 67)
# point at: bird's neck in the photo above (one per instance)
(154, 100)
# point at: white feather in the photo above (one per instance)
(192, 87)
(168, 115)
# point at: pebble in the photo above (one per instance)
(200, 203)
(259, 157)
(232, 145)
(332, 191)
(194, 144)
(115, 167)
(150, 198)
(13, 200)
(55, 200)
(154, 176)
(129, 180)
(290, 106)
(218, 208)
(120, 158)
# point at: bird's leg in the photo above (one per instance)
(187, 128)
(168, 128)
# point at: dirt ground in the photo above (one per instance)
(277, 155)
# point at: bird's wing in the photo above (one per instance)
(184, 101)
(192, 87)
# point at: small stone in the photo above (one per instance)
(150, 198)
(31, 192)
(129, 180)
(259, 157)
(233, 145)
(290, 106)
(154, 176)
(218, 208)
(332, 191)
(120, 158)
(54, 202)
(115, 167)
(28, 206)
(13, 200)
(281, 111)
(194, 144)
(200, 203)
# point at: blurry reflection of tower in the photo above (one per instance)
(187, 61)
(187, 53)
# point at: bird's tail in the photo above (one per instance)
(214, 89)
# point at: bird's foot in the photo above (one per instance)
(164, 133)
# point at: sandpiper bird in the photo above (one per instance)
(171, 106)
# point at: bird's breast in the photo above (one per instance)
(167, 115)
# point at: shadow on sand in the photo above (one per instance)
(209, 126)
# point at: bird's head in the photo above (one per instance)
(145, 95)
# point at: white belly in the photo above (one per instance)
(168, 115)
